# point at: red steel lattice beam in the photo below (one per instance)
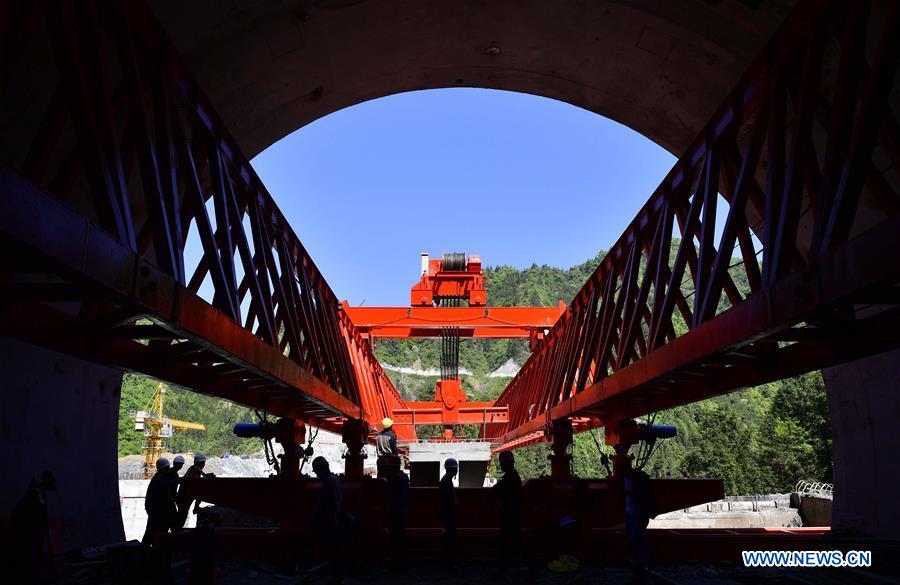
(476, 322)
(137, 153)
(650, 331)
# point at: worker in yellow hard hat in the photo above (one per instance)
(385, 446)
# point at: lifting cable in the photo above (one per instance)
(268, 448)
(307, 453)
(454, 262)
(450, 344)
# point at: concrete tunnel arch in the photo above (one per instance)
(271, 67)
(660, 68)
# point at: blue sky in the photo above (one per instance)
(515, 178)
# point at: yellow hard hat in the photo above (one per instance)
(386, 422)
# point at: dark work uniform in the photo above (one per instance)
(385, 446)
(398, 510)
(326, 521)
(640, 507)
(183, 500)
(448, 504)
(27, 545)
(508, 492)
(160, 504)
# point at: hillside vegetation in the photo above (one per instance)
(219, 416)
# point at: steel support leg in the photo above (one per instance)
(355, 436)
(290, 434)
(560, 460)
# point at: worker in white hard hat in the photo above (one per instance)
(184, 500)
(448, 505)
(385, 446)
(160, 501)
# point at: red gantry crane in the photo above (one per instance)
(450, 302)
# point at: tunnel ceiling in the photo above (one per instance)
(661, 68)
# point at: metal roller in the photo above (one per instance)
(454, 261)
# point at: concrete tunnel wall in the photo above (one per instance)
(864, 403)
(61, 414)
(661, 68)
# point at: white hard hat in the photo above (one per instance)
(199, 458)
(179, 459)
(451, 462)
(162, 463)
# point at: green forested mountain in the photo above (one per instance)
(759, 440)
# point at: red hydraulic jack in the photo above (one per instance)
(624, 434)
(355, 435)
(560, 432)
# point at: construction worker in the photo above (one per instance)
(449, 504)
(184, 500)
(398, 508)
(177, 464)
(327, 515)
(385, 446)
(640, 507)
(160, 501)
(508, 492)
(28, 545)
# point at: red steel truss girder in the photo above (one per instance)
(479, 322)
(621, 349)
(379, 396)
(176, 170)
(203, 349)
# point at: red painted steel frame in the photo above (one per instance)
(477, 322)
(598, 545)
(593, 503)
(803, 159)
(438, 284)
(138, 162)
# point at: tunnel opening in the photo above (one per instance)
(93, 267)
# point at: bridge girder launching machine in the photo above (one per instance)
(809, 127)
(450, 302)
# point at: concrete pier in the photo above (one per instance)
(864, 403)
(60, 414)
(426, 462)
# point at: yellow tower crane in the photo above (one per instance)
(156, 427)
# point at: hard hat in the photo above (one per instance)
(179, 459)
(451, 462)
(162, 463)
(386, 422)
(320, 463)
(199, 458)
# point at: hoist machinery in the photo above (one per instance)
(450, 302)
